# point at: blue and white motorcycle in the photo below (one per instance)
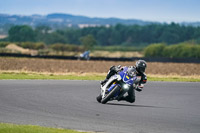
(118, 84)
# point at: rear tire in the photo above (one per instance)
(110, 95)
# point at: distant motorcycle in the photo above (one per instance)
(84, 56)
(118, 85)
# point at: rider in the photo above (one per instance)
(140, 68)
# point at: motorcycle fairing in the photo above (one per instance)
(111, 79)
(125, 76)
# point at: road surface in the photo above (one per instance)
(162, 107)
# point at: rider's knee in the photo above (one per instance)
(132, 100)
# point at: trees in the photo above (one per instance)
(42, 32)
(21, 33)
(131, 35)
(88, 42)
(55, 37)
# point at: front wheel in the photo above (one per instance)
(110, 94)
(99, 98)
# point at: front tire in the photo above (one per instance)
(110, 95)
(99, 98)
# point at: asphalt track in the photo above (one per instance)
(162, 107)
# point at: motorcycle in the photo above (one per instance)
(118, 84)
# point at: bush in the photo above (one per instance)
(39, 45)
(193, 51)
(5, 50)
(44, 51)
(32, 45)
(3, 44)
(172, 51)
(154, 50)
(183, 50)
(66, 47)
(58, 47)
(118, 48)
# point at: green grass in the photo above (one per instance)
(175, 79)
(22, 75)
(13, 128)
(12, 75)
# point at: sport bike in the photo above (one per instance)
(118, 84)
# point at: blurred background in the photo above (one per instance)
(131, 28)
(101, 28)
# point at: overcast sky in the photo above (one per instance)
(152, 10)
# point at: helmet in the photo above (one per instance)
(141, 66)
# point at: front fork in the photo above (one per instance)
(111, 79)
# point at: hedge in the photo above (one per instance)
(173, 51)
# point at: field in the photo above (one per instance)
(101, 67)
(13, 48)
(13, 128)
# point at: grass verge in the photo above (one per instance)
(173, 78)
(70, 76)
(89, 76)
(13, 128)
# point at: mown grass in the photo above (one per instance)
(89, 76)
(23, 75)
(13, 128)
(174, 78)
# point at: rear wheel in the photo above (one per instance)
(110, 94)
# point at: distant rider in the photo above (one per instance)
(140, 68)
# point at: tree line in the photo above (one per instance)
(159, 40)
(124, 35)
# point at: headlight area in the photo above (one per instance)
(126, 86)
